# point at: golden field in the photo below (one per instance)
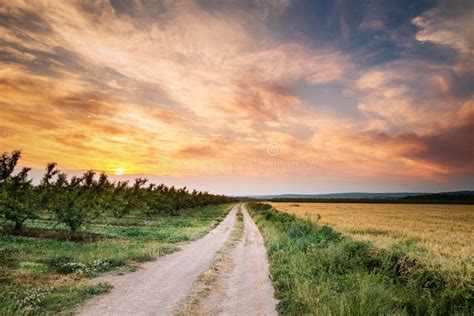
(444, 234)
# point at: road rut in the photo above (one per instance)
(246, 289)
(162, 285)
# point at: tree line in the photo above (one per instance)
(77, 200)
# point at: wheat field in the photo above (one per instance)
(443, 234)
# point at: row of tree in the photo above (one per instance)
(77, 200)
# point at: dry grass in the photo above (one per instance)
(445, 231)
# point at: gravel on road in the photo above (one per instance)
(160, 286)
(246, 289)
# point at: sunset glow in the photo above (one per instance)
(244, 97)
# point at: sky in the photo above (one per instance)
(244, 97)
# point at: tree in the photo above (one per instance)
(177, 198)
(18, 198)
(76, 201)
(157, 200)
(138, 197)
(45, 187)
(119, 201)
(8, 164)
(104, 189)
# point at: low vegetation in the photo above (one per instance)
(441, 235)
(57, 234)
(47, 274)
(317, 270)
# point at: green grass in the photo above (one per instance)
(316, 270)
(188, 226)
(44, 275)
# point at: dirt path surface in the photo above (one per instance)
(246, 288)
(160, 286)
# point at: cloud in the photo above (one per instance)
(451, 148)
(291, 62)
(116, 84)
(449, 24)
(441, 152)
(372, 25)
(413, 95)
(20, 19)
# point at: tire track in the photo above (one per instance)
(246, 289)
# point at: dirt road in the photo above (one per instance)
(245, 289)
(160, 286)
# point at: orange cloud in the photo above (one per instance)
(93, 87)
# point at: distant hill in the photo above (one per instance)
(348, 195)
(456, 197)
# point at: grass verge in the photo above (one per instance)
(44, 273)
(316, 270)
(443, 233)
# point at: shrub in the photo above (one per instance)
(18, 199)
(64, 264)
(7, 256)
(34, 296)
(260, 206)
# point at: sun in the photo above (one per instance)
(119, 171)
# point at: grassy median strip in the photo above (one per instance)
(48, 274)
(207, 281)
(316, 270)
